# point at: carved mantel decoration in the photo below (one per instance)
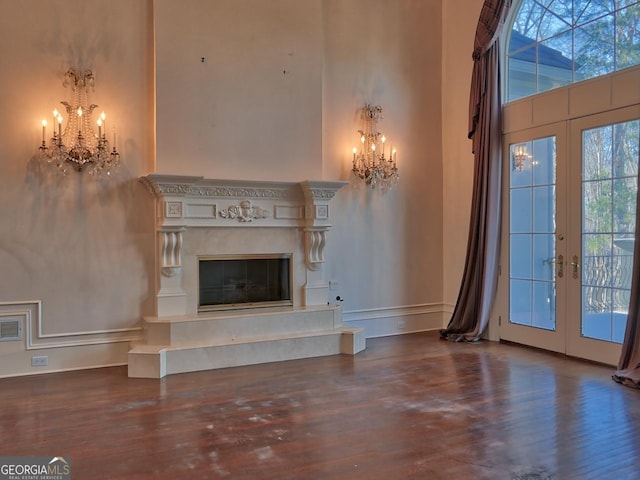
(183, 202)
(245, 212)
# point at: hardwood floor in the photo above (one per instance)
(411, 406)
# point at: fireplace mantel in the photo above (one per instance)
(188, 201)
(224, 216)
(184, 202)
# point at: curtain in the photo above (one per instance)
(628, 372)
(479, 280)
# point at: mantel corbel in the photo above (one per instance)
(317, 195)
(315, 240)
(170, 239)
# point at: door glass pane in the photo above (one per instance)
(532, 200)
(520, 264)
(544, 305)
(543, 257)
(609, 189)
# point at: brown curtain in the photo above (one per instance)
(628, 372)
(479, 280)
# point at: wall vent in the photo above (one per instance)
(10, 330)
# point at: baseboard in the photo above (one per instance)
(386, 321)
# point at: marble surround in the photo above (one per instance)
(198, 216)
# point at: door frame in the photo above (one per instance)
(567, 338)
(608, 93)
(553, 340)
(577, 345)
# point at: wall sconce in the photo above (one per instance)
(374, 163)
(78, 145)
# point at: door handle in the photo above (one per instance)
(575, 264)
(560, 265)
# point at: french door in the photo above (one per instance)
(569, 202)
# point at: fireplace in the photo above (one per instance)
(227, 282)
(207, 293)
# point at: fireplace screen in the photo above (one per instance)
(244, 281)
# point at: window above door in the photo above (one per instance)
(552, 43)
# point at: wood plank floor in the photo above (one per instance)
(409, 406)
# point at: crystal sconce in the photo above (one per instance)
(78, 146)
(374, 163)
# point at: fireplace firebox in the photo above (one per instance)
(227, 282)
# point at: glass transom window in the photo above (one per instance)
(556, 42)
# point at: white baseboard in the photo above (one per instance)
(386, 321)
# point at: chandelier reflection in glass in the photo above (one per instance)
(521, 158)
(375, 163)
(78, 146)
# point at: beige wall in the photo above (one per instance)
(276, 98)
(389, 245)
(253, 108)
(80, 246)
(459, 24)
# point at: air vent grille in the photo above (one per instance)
(10, 330)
